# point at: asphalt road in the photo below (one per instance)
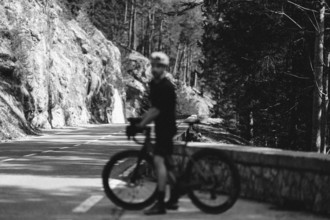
(58, 177)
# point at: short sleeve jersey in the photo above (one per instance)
(163, 97)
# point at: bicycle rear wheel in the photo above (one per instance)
(126, 185)
(214, 180)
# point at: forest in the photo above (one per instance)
(266, 63)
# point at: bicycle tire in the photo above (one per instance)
(110, 192)
(234, 174)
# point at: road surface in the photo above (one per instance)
(58, 177)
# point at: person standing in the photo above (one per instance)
(162, 112)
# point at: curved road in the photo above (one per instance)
(57, 177)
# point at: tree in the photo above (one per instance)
(257, 66)
(318, 139)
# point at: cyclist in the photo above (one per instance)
(163, 101)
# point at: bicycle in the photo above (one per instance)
(209, 177)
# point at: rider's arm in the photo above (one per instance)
(151, 115)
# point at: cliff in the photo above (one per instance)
(56, 70)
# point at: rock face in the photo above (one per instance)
(137, 74)
(63, 71)
(191, 103)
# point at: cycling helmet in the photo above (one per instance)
(160, 58)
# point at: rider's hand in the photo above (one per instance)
(139, 128)
(130, 131)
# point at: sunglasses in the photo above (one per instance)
(157, 65)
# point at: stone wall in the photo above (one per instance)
(287, 179)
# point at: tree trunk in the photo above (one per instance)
(195, 80)
(152, 32)
(130, 31)
(189, 67)
(251, 126)
(133, 43)
(318, 87)
(176, 61)
(49, 61)
(325, 105)
(146, 36)
(126, 9)
(180, 67)
(160, 39)
(142, 36)
(184, 79)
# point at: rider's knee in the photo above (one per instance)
(158, 160)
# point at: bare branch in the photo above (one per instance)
(283, 13)
(186, 7)
(296, 23)
(316, 28)
(301, 7)
(298, 77)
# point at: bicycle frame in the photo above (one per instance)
(194, 171)
(147, 152)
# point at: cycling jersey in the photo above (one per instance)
(163, 97)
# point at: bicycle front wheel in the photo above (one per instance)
(214, 180)
(128, 184)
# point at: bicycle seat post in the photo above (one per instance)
(188, 134)
(148, 133)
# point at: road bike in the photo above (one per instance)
(208, 176)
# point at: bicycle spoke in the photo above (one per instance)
(126, 185)
(214, 180)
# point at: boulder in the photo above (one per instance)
(191, 103)
(58, 120)
(41, 121)
(137, 73)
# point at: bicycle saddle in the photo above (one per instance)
(192, 120)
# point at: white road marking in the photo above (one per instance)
(128, 171)
(88, 204)
(9, 159)
(29, 155)
(64, 132)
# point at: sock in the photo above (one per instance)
(161, 197)
(175, 195)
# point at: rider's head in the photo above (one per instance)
(159, 63)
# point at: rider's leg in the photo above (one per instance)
(159, 207)
(162, 150)
(173, 202)
(161, 177)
